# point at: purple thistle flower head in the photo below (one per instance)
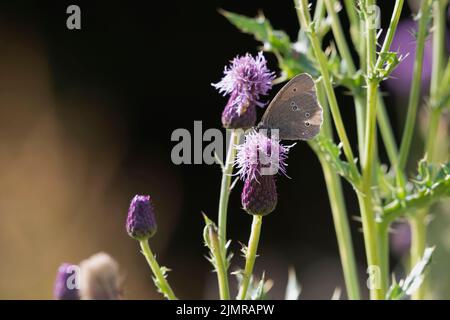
(245, 80)
(66, 283)
(259, 158)
(141, 222)
(400, 238)
(405, 43)
(260, 155)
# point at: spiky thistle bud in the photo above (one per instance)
(245, 80)
(66, 283)
(259, 197)
(259, 158)
(141, 222)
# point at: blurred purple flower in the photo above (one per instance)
(66, 283)
(404, 43)
(400, 238)
(141, 222)
(258, 159)
(245, 80)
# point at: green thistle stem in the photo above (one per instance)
(360, 111)
(370, 228)
(415, 86)
(250, 256)
(383, 245)
(220, 265)
(225, 189)
(342, 229)
(227, 172)
(366, 200)
(418, 243)
(319, 11)
(344, 50)
(305, 20)
(383, 120)
(350, 8)
(338, 34)
(333, 183)
(438, 67)
(338, 209)
(386, 132)
(418, 223)
(391, 30)
(157, 272)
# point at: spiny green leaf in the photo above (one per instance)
(258, 26)
(389, 61)
(290, 60)
(395, 292)
(417, 200)
(431, 184)
(331, 153)
(443, 172)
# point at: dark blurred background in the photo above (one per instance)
(86, 118)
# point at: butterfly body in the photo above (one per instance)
(295, 110)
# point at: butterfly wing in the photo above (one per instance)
(295, 111)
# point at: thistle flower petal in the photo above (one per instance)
(258, 152)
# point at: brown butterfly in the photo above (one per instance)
(295, 110)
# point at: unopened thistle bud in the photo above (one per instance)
(141, 222)
(99, 278)
(245, 80)
(210, 233)
(259, 158)
(66, 284)
(259, 197)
